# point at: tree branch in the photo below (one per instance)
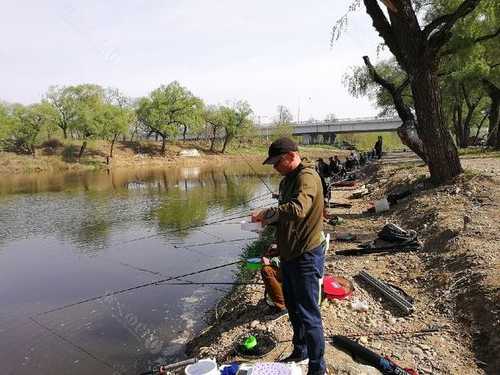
(389, 4)
(382, 25)
(376, 77)
(487, 36)
(403, 110)
(449, 20)
(446, 22)
(480, 39)
(466, 95)
(401, 87)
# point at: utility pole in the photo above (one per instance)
(298, 112)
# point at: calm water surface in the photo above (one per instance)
(68, 237)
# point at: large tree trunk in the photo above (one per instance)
(65, 132)
(442, 154)
(184, 133)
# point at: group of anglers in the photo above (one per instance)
(294, 264)
(337, 168)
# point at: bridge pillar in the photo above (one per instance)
(330, 138)
(314, 138)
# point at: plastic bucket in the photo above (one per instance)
(202, 367)
(381, 205)
(254, 264)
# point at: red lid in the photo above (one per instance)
(337, 287)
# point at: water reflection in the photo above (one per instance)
(75, 236)
(123, 180)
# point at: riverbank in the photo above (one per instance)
(454, 279)
(63, 157)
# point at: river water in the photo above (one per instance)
(70, 237)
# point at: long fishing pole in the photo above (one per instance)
(213, 283)
(188, 227)
(256, 173)
(418, 332)
(140, 286)
(214, 243)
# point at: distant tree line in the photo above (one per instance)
(87, 111)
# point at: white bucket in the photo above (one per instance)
(202, 367)
(381, 205)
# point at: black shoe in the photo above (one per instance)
(295, 357)
(276, 312)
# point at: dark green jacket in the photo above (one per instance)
(300, 212)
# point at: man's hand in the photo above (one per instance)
(266, 216)
(258, 216)
(265, 261)
(271, 251)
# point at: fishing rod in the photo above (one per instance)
(214, 243)
(163, 369)
(214, 283)
(140, 286)
(188, 227)
(256, 173)
(418, 332)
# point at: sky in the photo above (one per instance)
(268, 53)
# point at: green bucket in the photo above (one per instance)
(250, 342)
(254, 264)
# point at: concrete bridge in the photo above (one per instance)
(328, 129)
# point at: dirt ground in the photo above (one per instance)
(454, 279)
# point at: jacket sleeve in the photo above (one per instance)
(302, 199)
